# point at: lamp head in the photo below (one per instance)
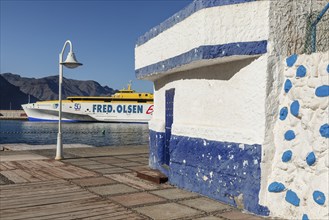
(71, 62)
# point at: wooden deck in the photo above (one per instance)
(41, 188)
(41, 170)
(95, 183)
(56, 200)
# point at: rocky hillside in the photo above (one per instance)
(47, 88)
(11, 97)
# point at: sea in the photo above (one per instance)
(95, 134)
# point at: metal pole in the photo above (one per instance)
(59, 148)
(325, 9)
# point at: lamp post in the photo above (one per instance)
(71, 63)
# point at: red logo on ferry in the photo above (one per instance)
(149, 111)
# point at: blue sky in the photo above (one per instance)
(103, 34)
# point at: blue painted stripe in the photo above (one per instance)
(204, 53)
(220, 170)
(183, 14)
(48, 120)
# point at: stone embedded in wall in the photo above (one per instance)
(291, 60)
(301, 71)
(310, 159)
(283, 113)
(324, 130)
(289, 135)
(319, 197)
(322, 91)
(292, 198)
(294, 108)
(286, 156)
(276, 187)
(287, 85)
(305, 217)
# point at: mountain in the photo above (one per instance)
(8, 91)
(47, 88)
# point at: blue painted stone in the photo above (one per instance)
(310, 159)
(292, 198)
(324, 130)
(286, 156)
(287, 85)
(328, 69)
(305, 217)
(276, 187)
(301, 71)
(319, 197)
(283, 113)
(289, 135)
(294, 108)
(228, 175)
(156, 154)
(322, 91)
(291, 60)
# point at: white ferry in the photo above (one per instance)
(124, 106)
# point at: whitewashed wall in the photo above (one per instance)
(209, 26)
(229, 107)
(298, 174)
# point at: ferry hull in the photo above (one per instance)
(90, 112)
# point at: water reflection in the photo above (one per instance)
(96, 134)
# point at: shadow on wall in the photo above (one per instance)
(223, 72)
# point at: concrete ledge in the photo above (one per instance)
(199, 57)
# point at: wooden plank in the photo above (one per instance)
(44, 193)
(38, 196)
(8, 165)
(73, 214)
(152, 175)
(26, 175)
(129, 216)
(87, 212)
(42, 175)
(115, 215)
(50, 210)
(13, 176)
(80, 171)
(57, 206)
(45, 201)
(32, 187)
(49, 163)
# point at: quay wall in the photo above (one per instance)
(12, 115)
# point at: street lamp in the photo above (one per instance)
(70, 62)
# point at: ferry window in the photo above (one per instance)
(140, 95)
(146, 94)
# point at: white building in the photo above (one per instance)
(222, 88)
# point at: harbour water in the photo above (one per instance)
(95, 134)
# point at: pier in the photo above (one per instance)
(95, 183)
(12, 115)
